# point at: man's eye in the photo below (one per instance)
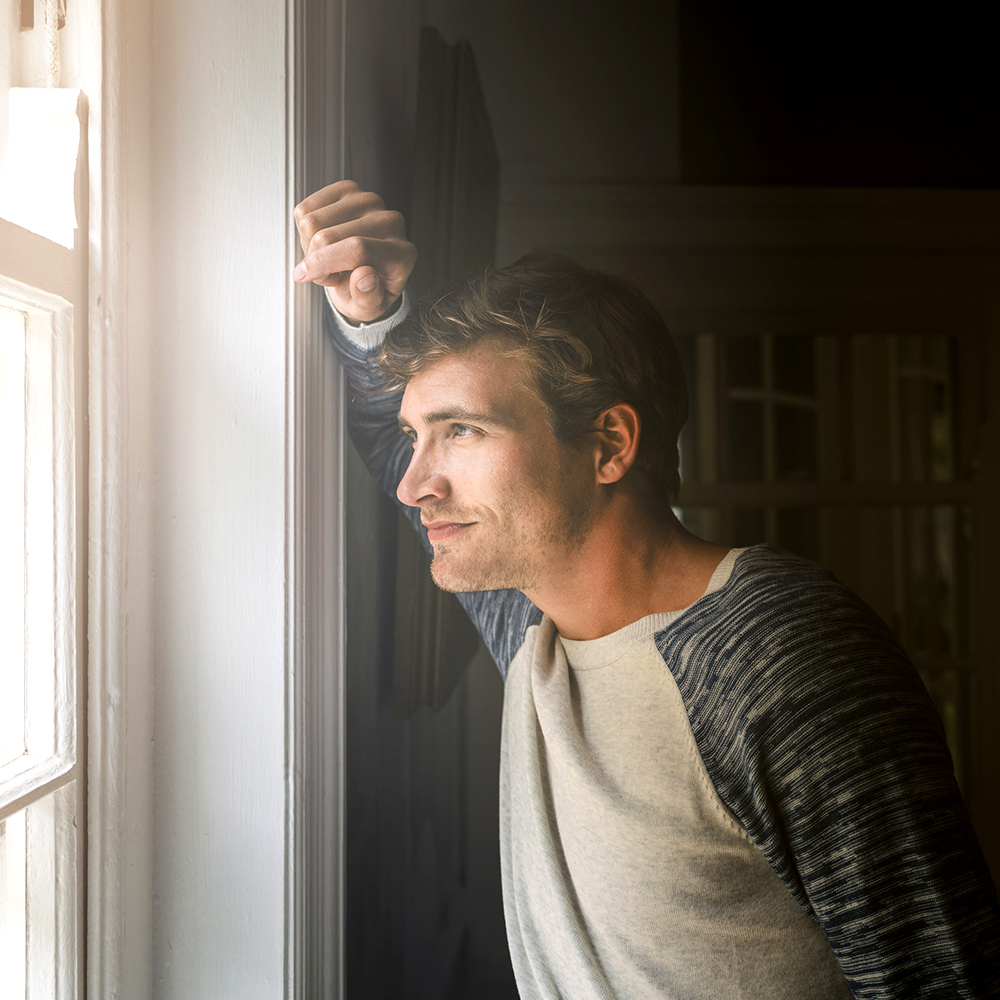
(462, 430)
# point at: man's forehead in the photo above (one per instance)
(480, 380)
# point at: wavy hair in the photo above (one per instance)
(590, 340)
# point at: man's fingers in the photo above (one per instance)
(328, 195)
(392, 259)
(336, 205)
(383, 225)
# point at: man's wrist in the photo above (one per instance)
(358, 323)
(370, 335)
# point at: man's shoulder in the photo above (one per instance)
(771, 589)
(781, 624)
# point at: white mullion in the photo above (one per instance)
(27, 780)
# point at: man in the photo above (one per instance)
(720, 775)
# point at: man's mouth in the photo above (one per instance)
(439, 531)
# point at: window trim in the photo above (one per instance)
(50, 549)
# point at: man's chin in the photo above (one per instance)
(455, 578)
(451, 576)
(453, 583)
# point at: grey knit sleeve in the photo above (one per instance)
(821, 739)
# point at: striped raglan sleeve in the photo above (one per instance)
(820, 737)
(502, 617)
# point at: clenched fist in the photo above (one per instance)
(355, 247)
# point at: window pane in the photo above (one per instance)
(872, 421)
(925, 398)
(743, 362)
(38, 899)
(747, 526)
(948, 689)
(795, 443)
(12, 371)
(13, 908)
(746, 441)
(798, 531)
(794, 368)
(703, 522)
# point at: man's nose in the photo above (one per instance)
(421, 481)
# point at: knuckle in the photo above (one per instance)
(355, 247)
(395, 221)
(371, 202)
(307, 224)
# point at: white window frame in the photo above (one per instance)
(50, 548)
(39, 790)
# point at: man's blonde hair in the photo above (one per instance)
(590, 340)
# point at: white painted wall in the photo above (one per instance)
(207, 370)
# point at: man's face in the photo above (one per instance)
(504, 501)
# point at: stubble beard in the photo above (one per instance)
(519, 559)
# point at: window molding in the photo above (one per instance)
(50, 549)
(108, 528)
(315, 627)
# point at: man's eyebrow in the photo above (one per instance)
(465, 416)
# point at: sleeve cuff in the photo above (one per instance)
(368, 336)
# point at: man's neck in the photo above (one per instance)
(629, 566)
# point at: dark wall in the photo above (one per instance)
(734, 92)
(838, 94)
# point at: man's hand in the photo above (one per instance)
(355, 247)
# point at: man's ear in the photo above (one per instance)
(618, 434)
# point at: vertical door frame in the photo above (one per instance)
(315, 637)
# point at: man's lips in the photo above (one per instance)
(438, 531)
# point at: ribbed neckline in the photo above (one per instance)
(587, 654)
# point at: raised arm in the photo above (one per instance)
(357, 250)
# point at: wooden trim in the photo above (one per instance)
(315, 633)
(108, 707)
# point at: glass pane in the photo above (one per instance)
(925, 399)
(746, 441)
(12, 371)
(747, 526)
(13, 907)
(744, 369)
(686, 445)
(794, 367)
(877, 573)
(798, 531)
(703, 522)
(870, 396)
(948, 689)
(795, 452)
(936, 566)
(38, 899)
